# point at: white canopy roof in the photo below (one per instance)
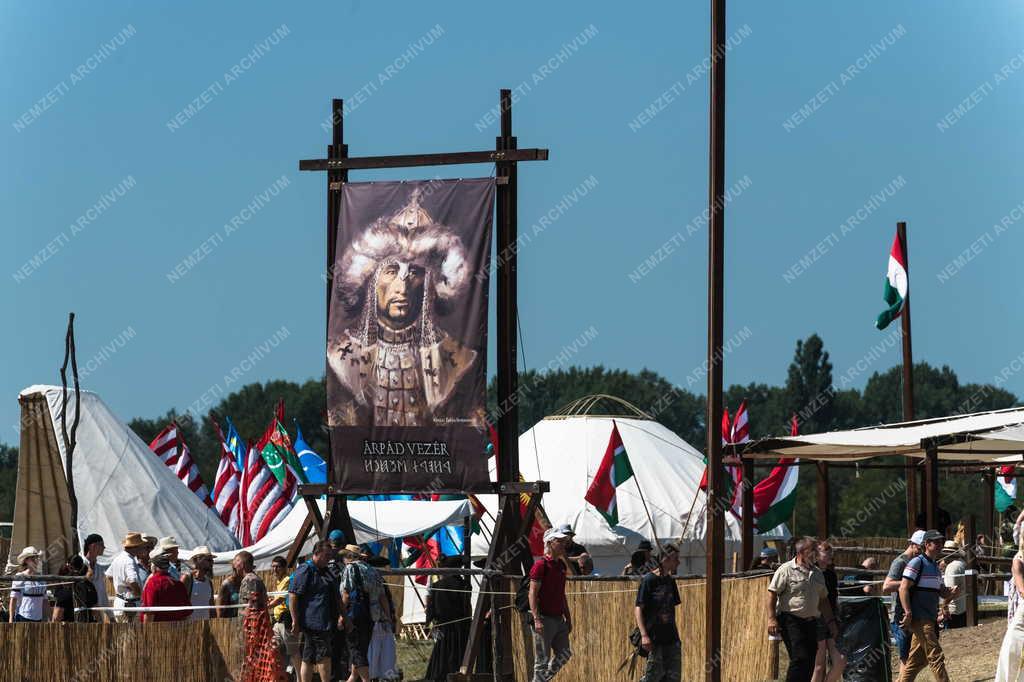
(372, 522)
(996, 436)
(122, 486)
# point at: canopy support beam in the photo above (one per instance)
(931, 482)
(823, 509)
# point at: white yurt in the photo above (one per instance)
(566, 449)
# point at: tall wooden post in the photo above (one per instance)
(989, 482)
(908, 382)
(508, 378)
(337, 505)
(748, 514)
(971, 579)
(823, 495)
(931, 482)
(715, 541)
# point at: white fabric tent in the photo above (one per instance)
(372, 522)
(566, 452)
(996, 436)
(122, 486)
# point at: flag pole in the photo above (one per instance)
(654, 533)
(908, 381)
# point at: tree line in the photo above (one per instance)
(820, 402)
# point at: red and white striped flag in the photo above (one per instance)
(738, 433)
(170, 447)
(225, 487)
(266, 502)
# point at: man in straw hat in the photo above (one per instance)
(128, 573)
(655, 614)
(28, 597)
(920, 591)
(549, 609)
(955, 609)
(169, 546)
(364, 603)
(162, 590)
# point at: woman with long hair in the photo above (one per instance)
(1012, 651)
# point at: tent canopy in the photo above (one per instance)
(996, 436)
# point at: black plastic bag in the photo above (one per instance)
(864, 638)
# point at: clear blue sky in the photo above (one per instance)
(107, 120)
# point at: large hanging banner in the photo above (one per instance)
(407, 337)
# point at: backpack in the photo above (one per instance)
(522, 601)
(358, 604)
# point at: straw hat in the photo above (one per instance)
(201, 551)
(133, 540)
(167, 544)
(354, 551)
(28, 553)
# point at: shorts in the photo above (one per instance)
(900, 640)
(822, 630)
(358, 639)
(316, 645)
(286, 641)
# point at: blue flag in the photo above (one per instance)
(236, 444)
(312, 463)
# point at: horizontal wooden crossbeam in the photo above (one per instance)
(409, 160)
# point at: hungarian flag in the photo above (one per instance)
(895, 285)
(775, 496)
(1006, 488)
(613, 472)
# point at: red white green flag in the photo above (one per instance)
(775, 496)
(614, 470)
(1006, 488)
(895, 293)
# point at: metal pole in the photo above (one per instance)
(715, 541)
(908, 382)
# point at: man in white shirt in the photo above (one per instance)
(92, 549)
(128, 573)
(956, 608)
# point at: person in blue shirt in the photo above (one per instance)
(920, 590)
(315, 604)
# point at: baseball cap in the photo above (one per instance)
(933, 535)
(566, 530)
(335, 536)
(553, 534)
(645, 546)
(769, 551)
(918, 537)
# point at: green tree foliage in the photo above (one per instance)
(8, 480)
(863, 501)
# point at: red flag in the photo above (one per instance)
(170, 447)
(726, 432)
(794, 426)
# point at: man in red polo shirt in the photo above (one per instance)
(163, 590)
(549, 609)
